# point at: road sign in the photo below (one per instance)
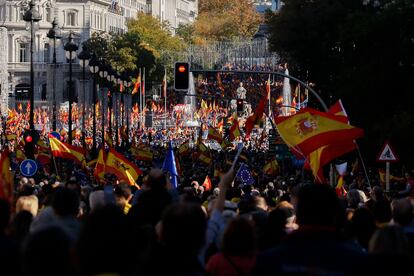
(387, 154)
(28, 167)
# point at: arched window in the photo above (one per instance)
(71, 18)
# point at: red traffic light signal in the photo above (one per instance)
(28, 139)
(181, 69)
(240, 103)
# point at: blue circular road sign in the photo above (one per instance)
(28, 167)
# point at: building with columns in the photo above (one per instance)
(83, 17)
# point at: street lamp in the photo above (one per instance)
(54, 34)
(111, 78)
(103, 73)
(32, 16)
(70, 47)
(84, 57)
(94, 68)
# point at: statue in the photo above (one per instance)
(241, 92)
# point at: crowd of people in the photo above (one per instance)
(67, 221)
(283, 225)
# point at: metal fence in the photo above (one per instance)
(247, 54)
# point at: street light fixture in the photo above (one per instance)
(103, 73)
(94, 68)
(84, 57)
(70, 47)
(54, 34)
(32, 16)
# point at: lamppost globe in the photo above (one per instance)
(93, 64)
(84, 57)
(54, 32)
(32, 14)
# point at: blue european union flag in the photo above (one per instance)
(244, 175)
(170, 166)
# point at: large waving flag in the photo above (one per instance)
(6, 178)
(325, 154)
(309, 129)
(170, 166)
(64, 150)
(124, 169)
(137, 83)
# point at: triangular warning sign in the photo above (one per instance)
(387, 154)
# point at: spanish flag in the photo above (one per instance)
(381, 173)
(144, 154)
(63, 150)
(309, 130)
(117, 164)
(270, 168)
(99, 171)
(137, 83)
(184, 148)
(213, 134)
(207, 183)
(325, 154)
(6, 178)
(235, 130)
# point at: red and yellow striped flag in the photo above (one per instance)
(6, 178)
(213, 134)
(63, 150)
(309, 130)
(235, 130)
(137, 83)
(325, 154)
(124, 169)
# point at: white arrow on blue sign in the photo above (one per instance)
(28, 167)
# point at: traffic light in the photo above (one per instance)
(181, 75)
(240, 103)
(30, 139)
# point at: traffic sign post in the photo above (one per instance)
(387, 155)
(28, 167)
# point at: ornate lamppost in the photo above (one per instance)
(70, 47)
(54, 34)
(32, 17)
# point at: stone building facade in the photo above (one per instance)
(83, 17)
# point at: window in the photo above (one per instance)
(22, 92)
(43, 93)
(46, 53)
(23, 52)
(48, 15)
(66, 93)
(21, 14)
(71, 18)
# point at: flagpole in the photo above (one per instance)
(165, 99)
(143, 95)
(140, 98)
